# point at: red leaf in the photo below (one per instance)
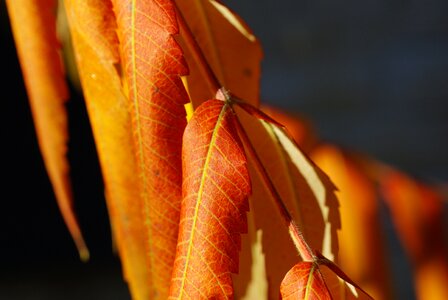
(153, 63)
(215, 191)
(304, 281)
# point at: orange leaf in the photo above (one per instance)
(301, 129)
(34, 27)
(229, 46)
(418, 214)
(215, 190)
(304, 281)
(310, 280)
(153, 63)
(362, 249)
(305, 190)
(93, 31)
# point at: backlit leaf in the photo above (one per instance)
(34, 27)
(362, 249)
(229, 46)
(304, 281)
(153, 63)
(215, 190)
(306, 191)
(319, 279)
(96, 46)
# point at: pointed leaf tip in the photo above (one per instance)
(33, 24)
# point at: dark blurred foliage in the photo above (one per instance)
(371, 75)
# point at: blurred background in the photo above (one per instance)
(371, 75)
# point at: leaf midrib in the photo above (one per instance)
(309, 282)
(139, 133)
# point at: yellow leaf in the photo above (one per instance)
(306, 191)
(362, 249)
(34, 27)
(232, 51)
(96, 46)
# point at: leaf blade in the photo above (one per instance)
(417, 212)
(233, 52)
(304, 281)
(34, 28)
(362, 249)
(213, 208)
(306, 191)
(92, 26)
(153, 63)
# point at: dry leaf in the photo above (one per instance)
(232, 51)
(96, 47)
(216, 186)
(304, 281)
(153, 63)
(305, 190)
(362, 249)
(33, 24)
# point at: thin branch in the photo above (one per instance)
(296, 235)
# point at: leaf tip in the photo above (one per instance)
(84, 254)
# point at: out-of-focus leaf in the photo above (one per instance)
(216, 186)
(33, 24)
(153, 63)
(93, 31)
(418, 215)
(68, 54)
(233, 52)
(361, 245)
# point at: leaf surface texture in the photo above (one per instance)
(233, 52)
(153, 63)
(215, 190)
(93, 31)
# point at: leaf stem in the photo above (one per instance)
(197, 54)
(296, 235)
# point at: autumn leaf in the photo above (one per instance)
(96, 46)
(305, 190)
(312, 279)
(300, 129)
(33, 24)
(418, 215)
(215, 187)
(362, 248)
(153, 63)
(229, 46)
(304, 281)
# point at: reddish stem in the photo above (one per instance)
(296, 235)
(198, 55)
